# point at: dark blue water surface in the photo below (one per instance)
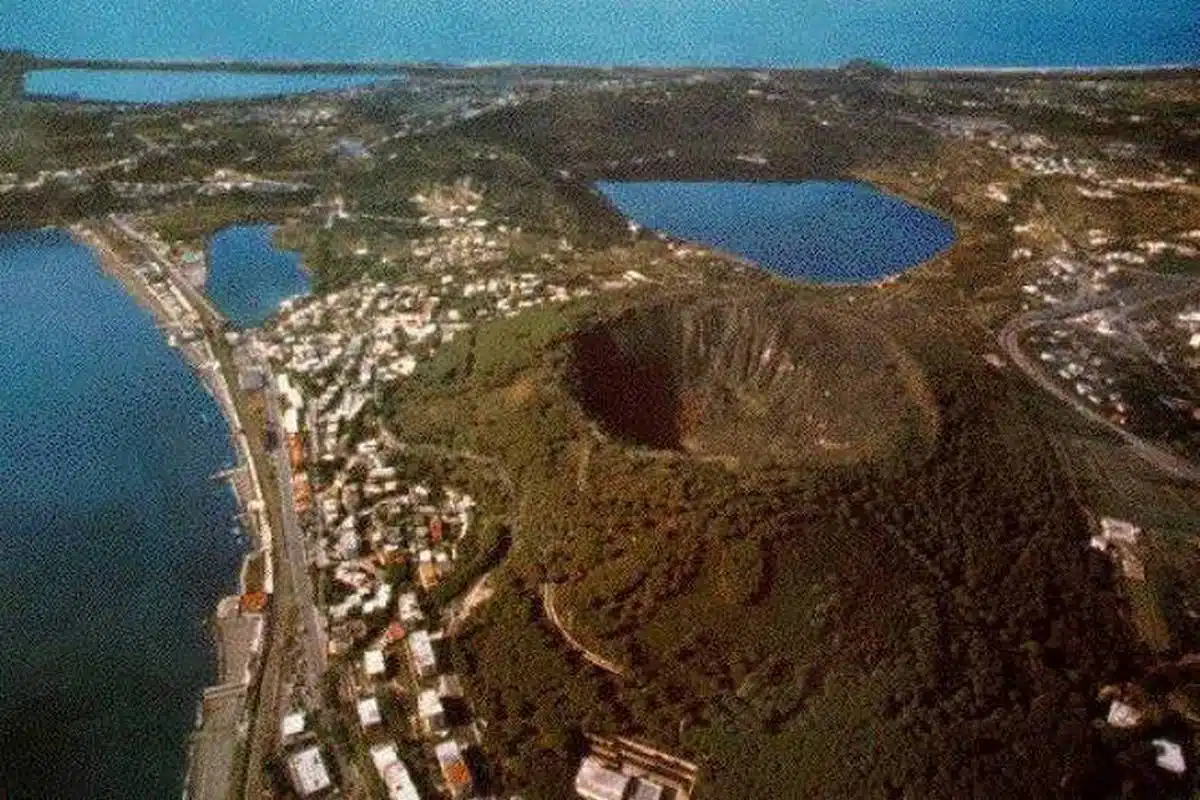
(248, 277)
(830, 232)
(115, 543)
(748, 32)
(171, 87)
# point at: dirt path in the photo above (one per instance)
(592, 657)
(479, 593)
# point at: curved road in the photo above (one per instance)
(1152, 454)
(593, 658)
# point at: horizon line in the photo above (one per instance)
(479, 64)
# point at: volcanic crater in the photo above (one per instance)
(748, 381)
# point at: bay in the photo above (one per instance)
(115, 542)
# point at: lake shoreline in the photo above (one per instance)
(798, 231)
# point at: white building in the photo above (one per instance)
(307, 770)
(454, 768)
(393, 772)
(420, 653)
(1123, 715)
(373, 663)
(594, 781)
(368, 712)
(409, 609)
(292, 725)
(646, 790)
(431, 712)
(1170, 756)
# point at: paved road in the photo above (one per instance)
(1157, 457)
(292, 536)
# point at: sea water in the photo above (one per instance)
(115, 541)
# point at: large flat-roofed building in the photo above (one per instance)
(307, 770)
(617, 768)
(421, 655)
(454, 769)
(595, 781)
(393, 772)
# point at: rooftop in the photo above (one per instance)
(308, 772)
(595, 781)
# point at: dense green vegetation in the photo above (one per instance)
(930, 623)
(634, 134)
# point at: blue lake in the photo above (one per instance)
(828, 232)
(173, 87)
(248, 277)
(115, 543)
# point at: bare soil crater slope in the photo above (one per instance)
(748, 380)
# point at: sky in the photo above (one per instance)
(732, 32)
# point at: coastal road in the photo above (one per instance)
(292, 536)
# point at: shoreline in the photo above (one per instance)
(238, 622)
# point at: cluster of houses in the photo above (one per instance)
(425, 705)
(400, 663)
(1090, 352)
(1082, 367)
(348, 347)
(377, 617)
(1036, 154)
(397, 531)
(222, 182)
(1064, 275)
(386, 545)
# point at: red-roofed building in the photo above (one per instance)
(395, 632)
(254, 602)
(454, 768)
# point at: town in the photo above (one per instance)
(374, 548)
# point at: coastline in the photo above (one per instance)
(239, 620)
